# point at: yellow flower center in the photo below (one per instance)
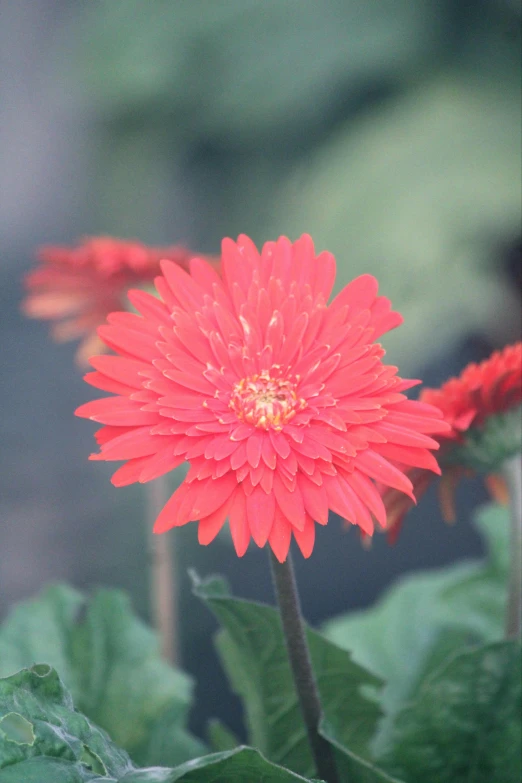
(265, 401)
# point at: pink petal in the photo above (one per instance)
(169, 516)
(254, 446)
(260, 508)
(159, 464)
(315, 499)
(209, 526)
(368, 494)
(379, 468)
(280, 536)
(305, 538)
(290, 503)
(280, 443)
(211, 494)
(129, 473)
(138, 442)
(237, 518)
(417, 458)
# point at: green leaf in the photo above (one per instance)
(243, 765)
(352, 768)
(486, 448)
(253, 652)
(425, 617)
(111, 662)
(54, 741)
(220, 736)
(478, 601)
(50, 770)
(465, 724)
(66, 747)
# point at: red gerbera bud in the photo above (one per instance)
(280, 402)
(472, 405)
(77, 287)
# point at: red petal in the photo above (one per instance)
(129, 473)
(280, 535)
(253, 448)
(118, 411)
(416, 458)
(126, 371)
(360, 294)
(280, 443)
(159, 464)
(211, 494)
(306, 538)
(138, 442)
(209, 526)
(379, 468)
(169, 516)
(405, 437)
(368, 494)
(290, 503)
(315, 499)
(237, 518)
(260, 508)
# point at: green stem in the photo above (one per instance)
(301, 665)
(163, 582)
(512, 471)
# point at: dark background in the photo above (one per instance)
(390, 131)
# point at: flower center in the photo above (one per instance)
(265, 401)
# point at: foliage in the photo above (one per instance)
(427, 616)
(252, 649)
(486, 448)
(451, 706)
(145, 60)
(53, 743)
(465, 723)
(99, 646)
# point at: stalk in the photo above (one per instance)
(163, 582)
(301, 665)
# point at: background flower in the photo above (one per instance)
(281, 403)
(77, 287)
(468, 404)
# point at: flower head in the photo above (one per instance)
(77, 287)
(280, 402)
(472, 405)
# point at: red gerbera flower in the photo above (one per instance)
(280, 402)
(482, 390)
(77, 287)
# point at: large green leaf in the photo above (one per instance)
(252, 649)
(242, 765)
(465, 724)
(43, 739)
(478, 601)
(111, 662)
(427, 616)
(59, 744)
(351, 767)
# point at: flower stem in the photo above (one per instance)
(301, 665)
(512, 470)
(163, 582)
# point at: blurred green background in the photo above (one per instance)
(388, 129)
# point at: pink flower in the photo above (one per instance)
(77, 287)
(280, 402)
